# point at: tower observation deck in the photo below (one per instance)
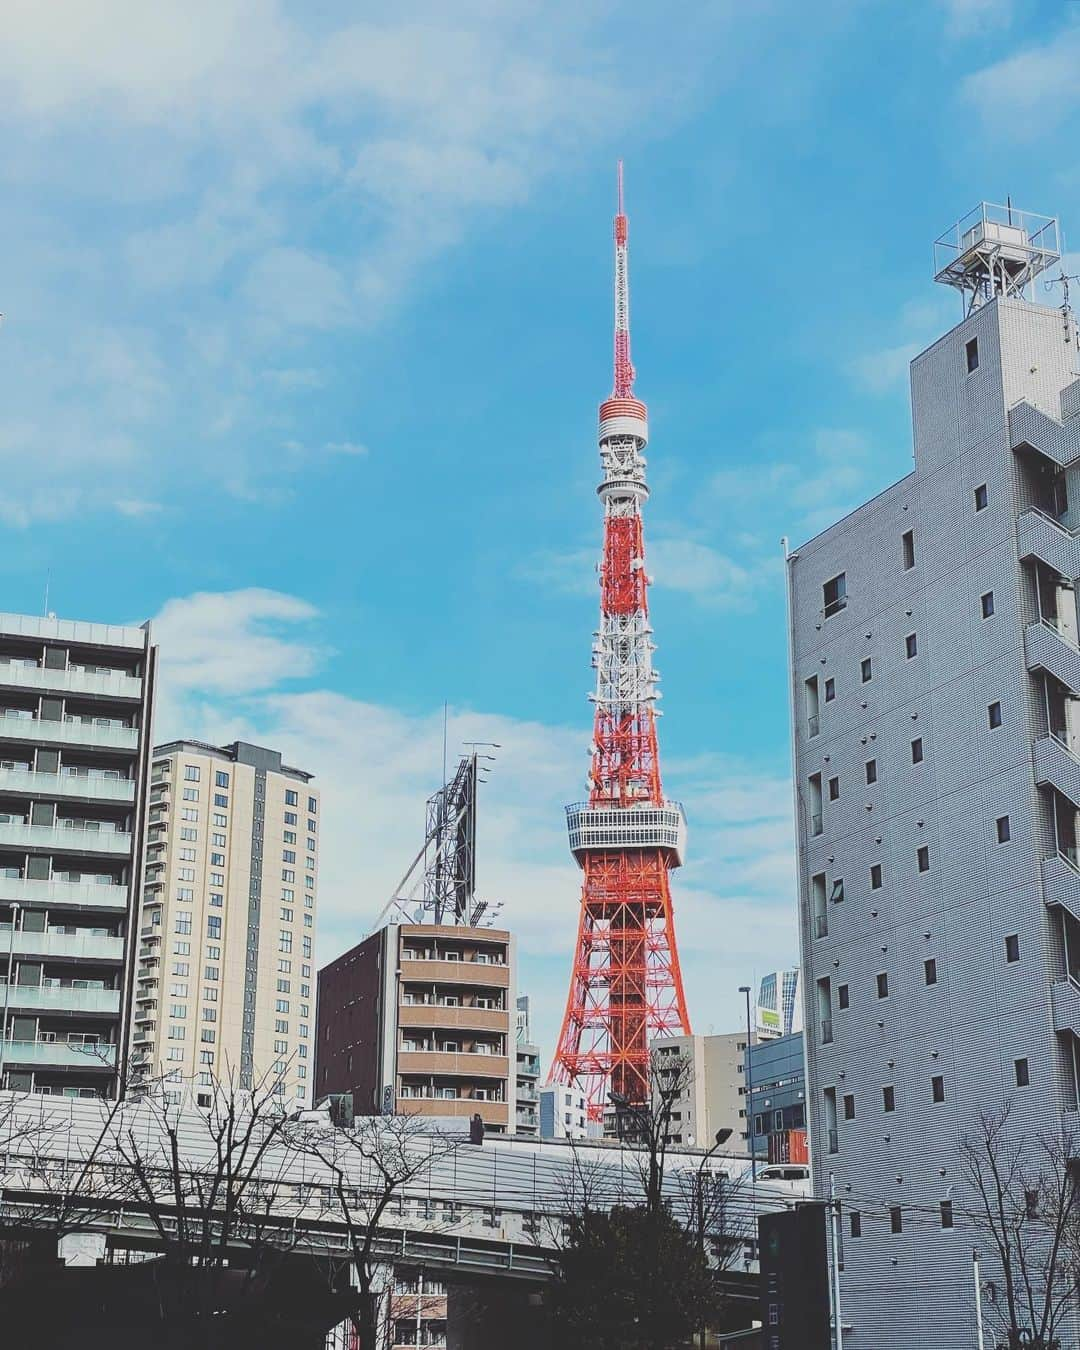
(625, 985)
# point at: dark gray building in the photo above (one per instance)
(75, 712)
(934, 685)
(777, 1071)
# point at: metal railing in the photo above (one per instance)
(834, 1141)
(816, 823)
(821, 925)
(826, 1032)
(813, 724)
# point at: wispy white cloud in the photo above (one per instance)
(226, 659)
(1031, 92)
(971, 18)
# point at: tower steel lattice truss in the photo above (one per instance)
(625, 986)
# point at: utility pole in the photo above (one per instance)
(978, 1299)
(834, 1206)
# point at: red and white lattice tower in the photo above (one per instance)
(626, 987)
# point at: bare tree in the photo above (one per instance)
(370, 1164)
(1028, 1208)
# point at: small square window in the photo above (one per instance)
(875, 876)
(986, 602)
(993, 714)
(856, 1223)
(1023, 1075)
(911, 645)
(830, 690)
(971, 354)
(867, 670)
(888, 1097)
(917, 750)
(896, 1219)
(836, 895)
(908, 541)
(946, 1214)
(1002, 826)
(981, 497)
(923, 857)
(849, 1106)
(930, 970)
(883, 984)
(834, 789)
(1012, 948)
(834, 594)
(937, 1088)
(843, 996)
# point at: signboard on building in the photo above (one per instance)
(795, 1279)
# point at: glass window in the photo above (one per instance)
(930, 971)
(866, 670)
(981, 497)
(917, 750)
(1023, 1076)
(1012, 947)
(911, 645)
(213, 926)
(192, 773)
(221, 779)
(291, 798)
(834, 594)
(191, 794)
(220, 799)
(883, 985)
(923, 857)
(993, 714)
(986, 604)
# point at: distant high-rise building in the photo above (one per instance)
(418, 1019)
(935, 690)
(714, 1097)
(225, 986)
(779, 1008)
(76, 700)
(528, 1072)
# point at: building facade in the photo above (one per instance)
(77, 700)
(714, 1095)
(935, 673)
(225, 990)
(419, 1019)
(779, 1007)
(777, 1078)
(564, 1114)
(528, 1073)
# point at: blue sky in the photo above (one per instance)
(307, 314)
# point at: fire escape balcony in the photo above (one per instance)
(1057, 767)
(1065, 1002)
(1039, 535)
(1057, 441)
(1061, 883)
(1046, 648)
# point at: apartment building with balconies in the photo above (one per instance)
(419, 1020)
(527, 1073)
(75, 723)
(935, 678)
(225, 989)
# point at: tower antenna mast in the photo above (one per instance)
(626, 985)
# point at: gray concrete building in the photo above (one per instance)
(75, 713)
(714, 1095)
(935, 673)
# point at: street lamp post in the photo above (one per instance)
(745, 989)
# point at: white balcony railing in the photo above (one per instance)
(87, 784)
(22, 890)
(75, 680)
(75, 836)
(61, 998)
(60, 1054)
(78, 946)
(95, 732)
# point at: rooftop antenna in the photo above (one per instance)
(1068, 318)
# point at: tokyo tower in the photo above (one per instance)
(625, 986)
